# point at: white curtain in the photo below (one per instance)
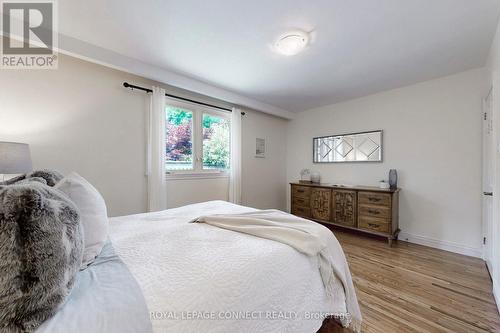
(235, 176)
(157, 190)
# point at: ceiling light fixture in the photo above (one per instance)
(292, 43)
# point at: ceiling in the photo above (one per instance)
(358, 47)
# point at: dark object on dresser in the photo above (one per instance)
(368, 209)
(393, 178)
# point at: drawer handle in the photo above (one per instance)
(373, 225)
(374, 199)
(300, 191)
(374, 212)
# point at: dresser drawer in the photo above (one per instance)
(301, 191)
(301, 201)
(374, 211)
(301, 211)
(374, 224)
(372, 198)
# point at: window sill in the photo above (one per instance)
(196, 175)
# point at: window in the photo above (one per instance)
(215, 142)
(179, 127)
(197, 139)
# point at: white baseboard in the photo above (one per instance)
(442, 245)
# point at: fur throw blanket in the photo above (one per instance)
(50, 177)
(41, 245)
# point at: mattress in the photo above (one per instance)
(199, 278)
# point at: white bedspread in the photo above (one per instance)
(305, 236)
(199, 278)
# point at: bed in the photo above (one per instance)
(176, 276)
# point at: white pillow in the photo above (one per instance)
(93, 214)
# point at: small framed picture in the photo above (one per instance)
(260, 148)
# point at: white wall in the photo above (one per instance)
(80, 118)
(432, 136)
(264, 179)
(182, 192)
(493, 67)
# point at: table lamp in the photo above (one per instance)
(15, 158)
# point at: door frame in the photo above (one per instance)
(487, 224)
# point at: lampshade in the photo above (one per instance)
(15, 158)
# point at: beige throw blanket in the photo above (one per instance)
(306, 237)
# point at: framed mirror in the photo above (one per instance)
(354, 147)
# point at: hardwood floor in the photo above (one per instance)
(413, 288)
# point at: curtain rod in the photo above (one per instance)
(131, 86)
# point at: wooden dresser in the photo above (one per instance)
(367, 209)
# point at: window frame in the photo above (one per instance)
(197, 141)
